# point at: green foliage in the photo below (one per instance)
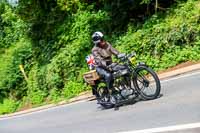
(36, 97)
(54, 95)
(72, 88)
(163, 43)
(11, 27)
(8, 106)
(15, 49)
(179, 55)
(43, 18)
(69, 5)
(36, 85)
(12, 81)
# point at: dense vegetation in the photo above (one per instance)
(51, 39)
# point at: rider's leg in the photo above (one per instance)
(107, 77)
(109, 82)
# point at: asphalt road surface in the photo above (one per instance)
(178, 107)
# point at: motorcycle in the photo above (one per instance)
(131, 80)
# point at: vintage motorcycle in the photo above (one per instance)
(131, 80)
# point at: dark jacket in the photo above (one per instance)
(103, 56)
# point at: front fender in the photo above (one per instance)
(141, 64)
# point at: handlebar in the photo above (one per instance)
(124, 56)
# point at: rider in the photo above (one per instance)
(102, 52)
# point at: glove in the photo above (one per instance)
(111, 66)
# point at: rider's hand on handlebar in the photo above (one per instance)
(110, 68)
(121, 55)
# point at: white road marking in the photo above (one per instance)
(167, 129)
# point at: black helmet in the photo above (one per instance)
(97, 37)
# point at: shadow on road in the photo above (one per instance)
(134, 101)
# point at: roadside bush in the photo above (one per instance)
(12, 81)
(8, 106)
(167, 42)
(54, 95)
(72, 89)
(37, 91)
(12, 28)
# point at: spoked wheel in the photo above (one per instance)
(104, 98)
(147, 83)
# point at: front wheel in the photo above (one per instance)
(146, 82)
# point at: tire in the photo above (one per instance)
(144, 79)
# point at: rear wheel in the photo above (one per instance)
(147, 83)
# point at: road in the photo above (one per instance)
(179, 105)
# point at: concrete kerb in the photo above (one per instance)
(180, 71)
(88, 95)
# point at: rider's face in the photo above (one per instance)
(102, 43)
